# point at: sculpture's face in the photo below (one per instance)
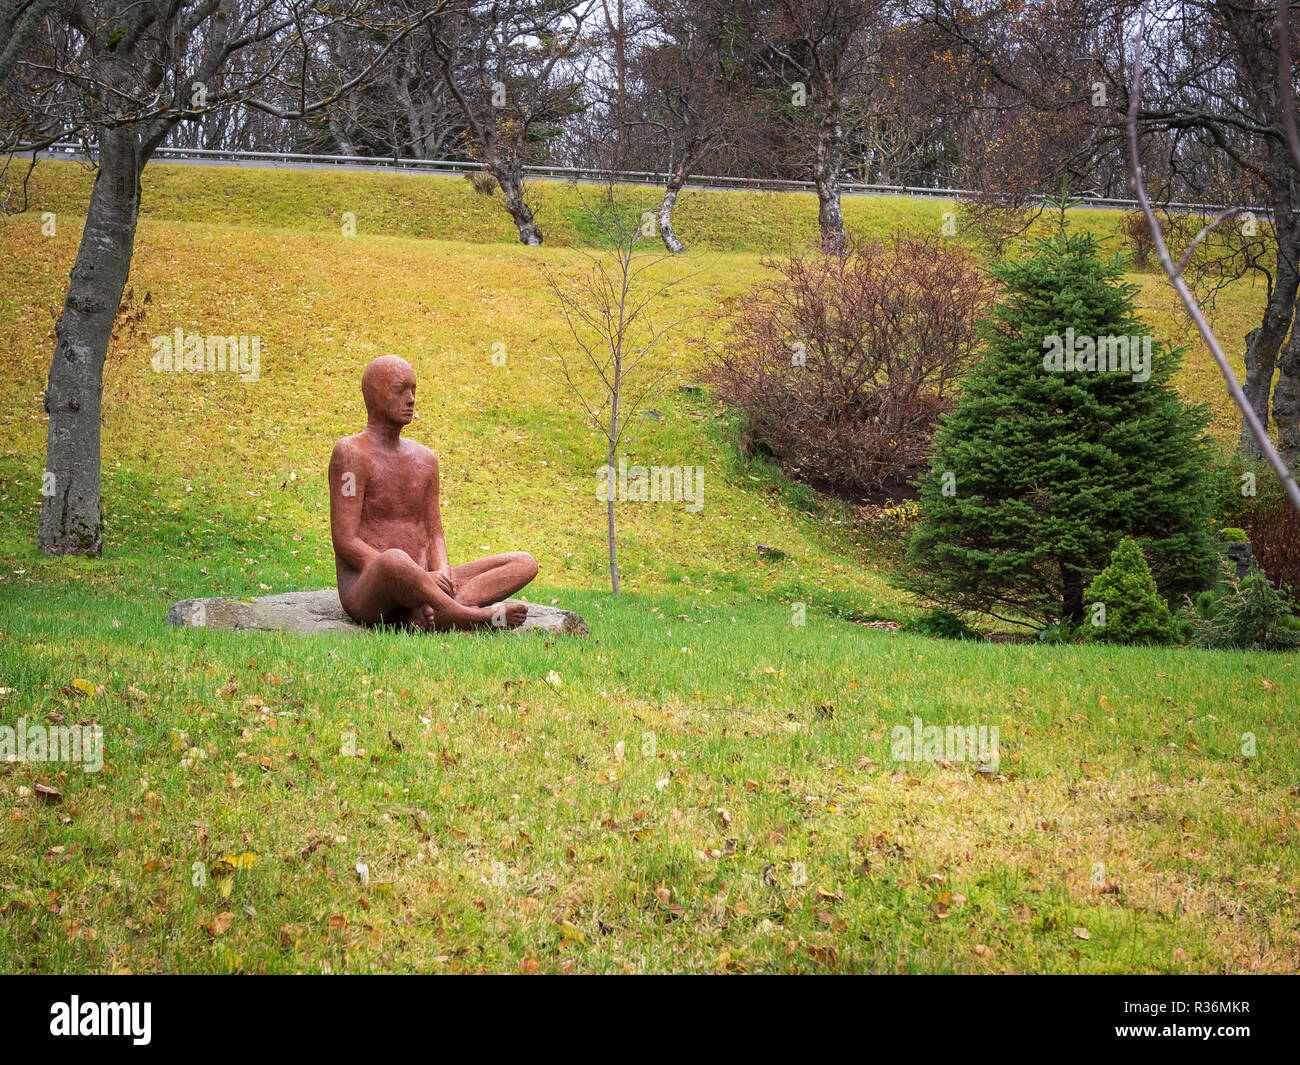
(389, 389)
(399, 397)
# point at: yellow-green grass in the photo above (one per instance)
(730, 231)
(511, 830)
(446, 208)
(685, 756)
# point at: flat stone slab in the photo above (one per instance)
(321, 611)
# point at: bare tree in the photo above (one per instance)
(1212, 95)
(125, 73)
(1175, 271)
(612, 313)
(1210, 131)
(508, 64)
(405, 110)
(823, 51)
(699, 100)
(619, 34)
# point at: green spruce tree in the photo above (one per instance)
(1045, 464)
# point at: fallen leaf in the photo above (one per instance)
(827, 956)
(573, 932)
(223, 876)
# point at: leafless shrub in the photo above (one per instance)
(1274, 529)
(482, 182)
(1137, 234)
(842, 365)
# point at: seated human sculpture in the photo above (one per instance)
(390, 552)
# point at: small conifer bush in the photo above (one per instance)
(1124, 604)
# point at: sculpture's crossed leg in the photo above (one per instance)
(393, 589)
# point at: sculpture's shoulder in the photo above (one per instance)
(350, 452)
(419, 455)
(349, 445)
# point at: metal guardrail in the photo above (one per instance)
(455, 168)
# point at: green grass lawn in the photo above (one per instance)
(700, 785)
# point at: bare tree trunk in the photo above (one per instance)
(1072, 597)
(341, 138)
(618, 31)
(414, 127)
(1264, 342)
(613, 455)
(1286, 400)
(826, 176)
(71, 521)
(20, 25)
(1257, 386)
(512, 186)
(675, 183)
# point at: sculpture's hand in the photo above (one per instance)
(446, 582)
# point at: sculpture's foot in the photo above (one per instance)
(423, 618)
(509, 614)
(515, 613)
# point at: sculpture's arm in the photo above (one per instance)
(347, 477)
(439, 562)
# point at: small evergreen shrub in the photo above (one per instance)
(1233, 536)
(1133, 610)
(1245, 613)
(1239, 484)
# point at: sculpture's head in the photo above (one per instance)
(388, 387)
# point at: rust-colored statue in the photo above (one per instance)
(389, 549)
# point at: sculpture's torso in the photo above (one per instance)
(396, 489)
